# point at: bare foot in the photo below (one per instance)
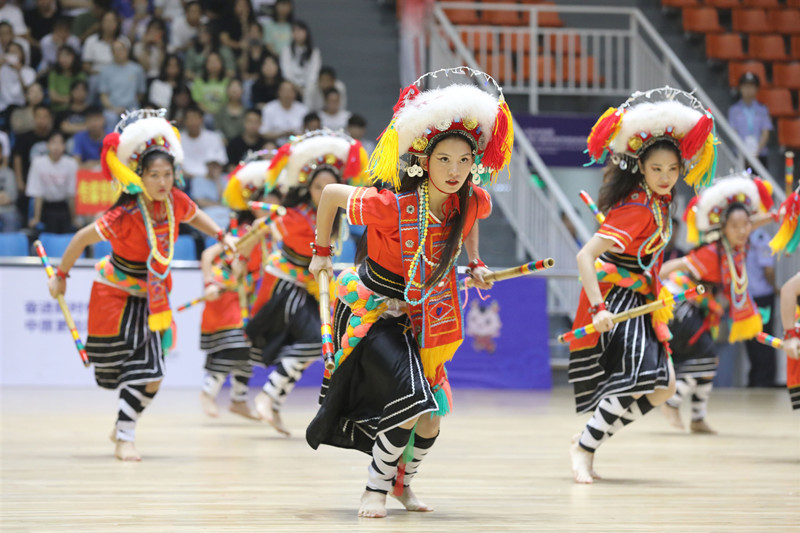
(700, 426)
(373, 505)
(269, 414)
(673, 416)
(126, 451)
(209, 405)
(581, 462)
(411, 502)
(244, 409)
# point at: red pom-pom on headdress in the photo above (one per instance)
(694, 140)
(353, 165)
(765, 193)
(111, 141)
(281, 155)
(409, 93)
(603, 132)
(692, 204)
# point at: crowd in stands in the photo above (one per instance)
(234, 76)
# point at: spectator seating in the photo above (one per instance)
(101, 249)
(13, 244)
(55, 243)
(185, 248)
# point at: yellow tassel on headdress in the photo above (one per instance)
(743, 330)
(704, 169)
(123, 174)
(692, 235)
(433, 358)
(785, 233)
(233, 195)
(159, 321)
(508, 143)
(383, 162)
(664, 315)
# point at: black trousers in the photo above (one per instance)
(762, 357)
(56, 217)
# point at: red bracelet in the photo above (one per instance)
(61, 274)
(475, 263)
(220, 235)
(322, 251)
(793, 333)
(597, 308)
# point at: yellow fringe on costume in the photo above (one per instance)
(785, 234)
(233, 195)
(692, 235)
(433, 358)
(160, 321)
(664, 315)
(383, 162)
(743, 330)
(123, 173)
(703, 170)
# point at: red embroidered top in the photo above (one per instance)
(128, 235)
(379, 211)
(630, 223)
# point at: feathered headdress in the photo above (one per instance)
(297, 161)
(705, 214)
(659, 114)
(138, 133)
(421, 117)
(788, 236)
(247, 179)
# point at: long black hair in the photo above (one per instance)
(618, 183)
(301, 194)
(147, 159)
(309, 44)
(456, 221)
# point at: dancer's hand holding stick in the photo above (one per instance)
(633, 313)
(514, 272)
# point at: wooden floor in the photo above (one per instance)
(500, 464)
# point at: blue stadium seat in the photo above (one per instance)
(185, 249)
(13, 244)
(210, 241)
(55, 243)
(347, 253)
(102, 249)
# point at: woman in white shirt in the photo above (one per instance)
(300, 61)
(97, 48)
(15, 76)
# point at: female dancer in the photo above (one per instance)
(621, 372)
(398, 320)
(285, 328)
(724, 214)
(129, 313)
(222, 328)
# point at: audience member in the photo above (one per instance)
(185, 28)
(11, 13)
(253, 54)
(51, 45)
(230, 119)
(283, 117)
(22, 117)
(311, 122)
(249, 141)
(97, 50)
(169, 78)
(169, 10)
(278, 29)
(121, 84)
(760, 265)
(151, 50)
(136, 27)
(199, 144)
(28, 146)
(357, 129)
(9, 216)
(51, 186)
(333, 116)
(301, 61)
(750, 118)
(202, 46)
(233, 23)
(265, 89)
(314, 96)
(40, 21)
(209, 90)
(66, 71)
(181, 102)
(73, 119)
(15, 77)
(88, 144)
(88, 22)
(207, 190)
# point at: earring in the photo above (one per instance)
(415, 171)
(476, 171)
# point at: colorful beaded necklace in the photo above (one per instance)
(152, 240)
(654, 245)
(739, 294)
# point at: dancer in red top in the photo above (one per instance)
(130, 322)
(622, 371)
(398, 317)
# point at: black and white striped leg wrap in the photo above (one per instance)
(637, 410)
(607, 412)
(132, 401)
(239, 385)
(212, 383)
(700, 398)
(683, 389)
(281, 381)
(421, 448)
(386, 453)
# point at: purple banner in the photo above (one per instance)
(559, 139)
(505, 345)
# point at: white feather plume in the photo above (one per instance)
(718, 193)
(307, 151)
(655, 118)
(253, 173)
(134, 136)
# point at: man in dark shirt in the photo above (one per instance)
(248, 140)
(27, 146)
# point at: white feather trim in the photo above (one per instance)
(307, 151)
(717, 195)
(445, 104)
(654, 118)
(253, 173)
(133, 138)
